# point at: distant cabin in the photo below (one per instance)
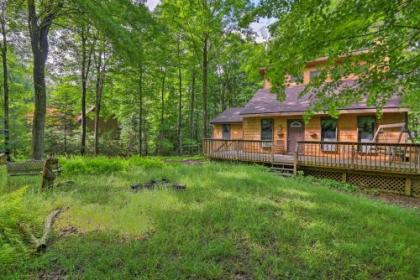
(108, 126)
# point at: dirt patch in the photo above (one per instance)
(57, 274)
(401, 200)
(187, 161)
(70, 230)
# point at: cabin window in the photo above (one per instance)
(329, 134)
(226, 131)
(267, 129)
(366, 130)
(314, 74)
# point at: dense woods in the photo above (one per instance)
(114, 77)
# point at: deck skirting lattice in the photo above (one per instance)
(323, 174)
(403, 185)
(380, 182)
(416, 187)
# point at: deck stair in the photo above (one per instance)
(283, 169)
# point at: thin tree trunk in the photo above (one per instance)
(65, 137)
(179, 127)
(162, 112)
(86, 61)
(205, 86)
(223, 93)
(5, 87)
(140, 132)
(100, 79)
(146, 138)
(192, 105)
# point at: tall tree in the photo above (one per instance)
(162, 110)
(39, 23)
(101, 67)
(140, 111)
(87, 48)
(179, 125)
(3, 47)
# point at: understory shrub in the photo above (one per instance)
(13, 247)
(102, 164)
(341, 186)
(92, 165)
(145, 162)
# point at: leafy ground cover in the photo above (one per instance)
(232, 222)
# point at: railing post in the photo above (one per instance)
(272, 153)
(353, 154)
(295, 161)
(237, 150)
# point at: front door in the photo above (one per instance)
(295, 133)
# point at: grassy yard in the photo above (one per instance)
(232, 222)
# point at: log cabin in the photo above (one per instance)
(355, 147)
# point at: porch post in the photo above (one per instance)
(295, 161)
(237, 150)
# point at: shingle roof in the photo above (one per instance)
(231, 115)
(265, 102)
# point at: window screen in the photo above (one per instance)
(328, 133)
(226, 131)
(267, 129)
(366, 130)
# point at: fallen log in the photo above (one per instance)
(40, 244)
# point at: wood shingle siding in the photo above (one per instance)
(236, 131)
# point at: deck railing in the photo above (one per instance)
(242, 150)
(400, 158)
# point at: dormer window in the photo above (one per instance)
(314, 74)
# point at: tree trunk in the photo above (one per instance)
(86, 61)
(205, 86)
(140, 132)
(179, 126)
(65, 137)
(192, 105)
(223, 93)
(38, 30)
(5, 87)
(162, 112)
(100, 80)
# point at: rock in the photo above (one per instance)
(179, 186)
(136, 187)
(163, 183)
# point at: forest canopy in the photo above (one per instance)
(114, 77)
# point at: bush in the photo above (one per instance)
(100, 165)
(145, 162)
(13, 248)
(341, 186)
(92, 165)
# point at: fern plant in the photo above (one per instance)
(13, 246)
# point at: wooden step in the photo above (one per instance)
(285, 170)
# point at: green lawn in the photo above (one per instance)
(233, 222)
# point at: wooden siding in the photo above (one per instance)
(236, 131)
(346, 126)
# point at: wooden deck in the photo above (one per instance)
(384, 157)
